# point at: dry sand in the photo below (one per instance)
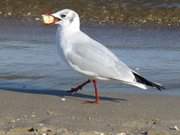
(27, 113)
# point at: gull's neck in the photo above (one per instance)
(66, 32)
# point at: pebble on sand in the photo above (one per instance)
(122, 133)
(91, 133)
(29, 13)
(41, 124)
(175, 128)
(9, 13)
(63, 99)
(37, 19)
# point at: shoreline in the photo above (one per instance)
(38, 21)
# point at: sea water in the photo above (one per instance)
(29, 61)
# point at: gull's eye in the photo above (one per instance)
(62, 16)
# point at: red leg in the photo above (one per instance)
(96, 93)
(79, 87)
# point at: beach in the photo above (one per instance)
(132, 114)
(34, 80)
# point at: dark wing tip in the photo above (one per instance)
(142, 80)
(160, 88)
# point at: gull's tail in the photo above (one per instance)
(142, 82)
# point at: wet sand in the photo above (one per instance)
(61, 113)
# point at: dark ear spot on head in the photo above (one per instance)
(72, 18)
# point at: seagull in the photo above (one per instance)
(89, 57)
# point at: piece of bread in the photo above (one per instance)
(48, 19)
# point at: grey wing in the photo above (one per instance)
(91, 58)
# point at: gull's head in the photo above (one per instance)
(66, 18)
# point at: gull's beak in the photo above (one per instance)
(50, 19)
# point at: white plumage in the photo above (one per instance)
(90, 57)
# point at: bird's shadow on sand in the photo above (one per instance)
(55, 92)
